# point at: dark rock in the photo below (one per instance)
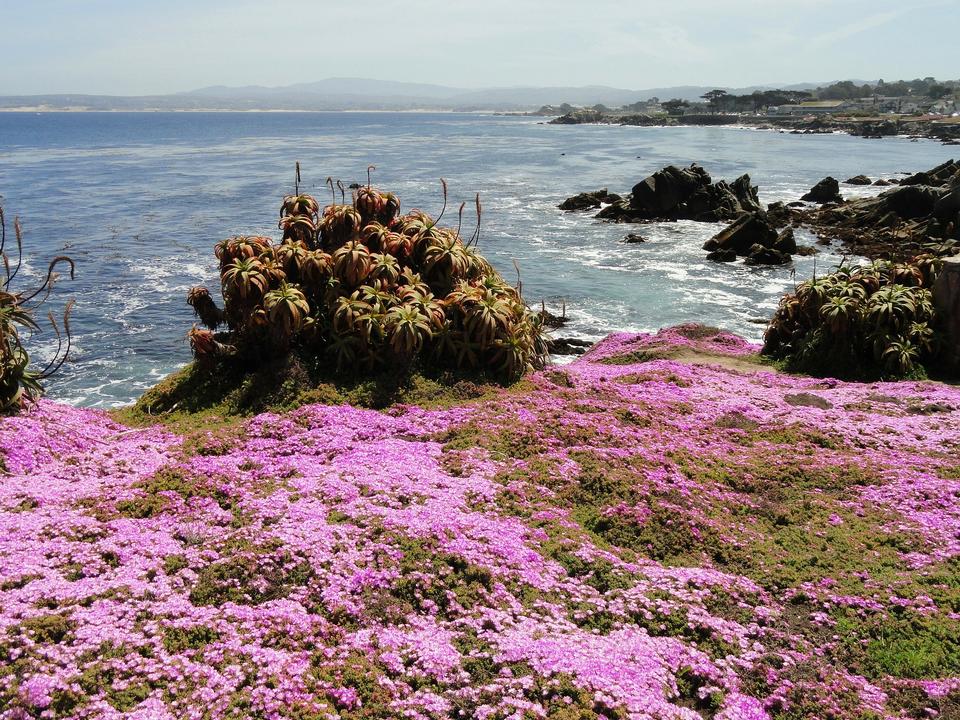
(895, 224)
(745, 232)
(929, 409)
(568, 346)
(795, 204)
(880, 182)
(785, 242)
(805, 250)
(684, 194)
(579, 117)
(806, 399)
(660, 193)
(778, 214)
(588, 200)
(947, 207)
(553, 321)
(912, 201)
(634, 238)
(722, 256)
(942, 174)
(857, 180)
(761, 255)
(825, 191)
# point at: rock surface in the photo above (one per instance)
(825, 191)
(923, 208)
(858, 180)
(675, 193)
(589, 200)
(946, 298)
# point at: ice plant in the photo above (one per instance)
(666, 528)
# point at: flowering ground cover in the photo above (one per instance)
(664, 529)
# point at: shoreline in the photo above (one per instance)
(945, 130)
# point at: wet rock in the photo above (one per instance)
(825, 191)
(675, 193)
(762, 255)
(568, 346)
(589, 200)
(745, 232)
(880, 182)
(722, 256)
(785, 242)
(858, 180)
(634, 238)
(778, 214)
(896, 223)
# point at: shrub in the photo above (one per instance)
(18, 383)
(861, 321)
(367, 288)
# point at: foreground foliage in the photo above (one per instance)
(363, 286)
(664, 529)
(861, 321)
(18, 383)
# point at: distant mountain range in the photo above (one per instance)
(364, 94)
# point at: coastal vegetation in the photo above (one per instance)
(19, 383)
(359, 288)
(666, 528)
(863, 322)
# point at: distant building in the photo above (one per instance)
(810, 107)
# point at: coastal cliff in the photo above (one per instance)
(666, 528)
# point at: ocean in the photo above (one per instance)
(139, 199)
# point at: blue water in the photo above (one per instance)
(139, 199)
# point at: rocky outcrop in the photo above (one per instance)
(747, 231)
(675, 193)
(925, 207)
(589, 200)
(579, 117)
(858, 180)
(754, 237)
(946, 298)
(825, 191)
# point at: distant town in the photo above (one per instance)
(922, 107)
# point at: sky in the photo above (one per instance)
(142, 47)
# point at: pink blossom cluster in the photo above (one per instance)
(333, 558)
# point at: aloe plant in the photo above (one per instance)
(876, 320)
(365, 287)
(19, 383)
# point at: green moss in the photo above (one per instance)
(637, 357)
(361, 673)
(196, 401)
(250, 575)
(151, 500)
(177, 639)
(46, 629)
(427, 574)
(172, 564)
(19, 582)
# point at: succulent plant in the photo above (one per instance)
(366, 288)
(18, 382)
(867, 321)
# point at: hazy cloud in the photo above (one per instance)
(154, 46)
